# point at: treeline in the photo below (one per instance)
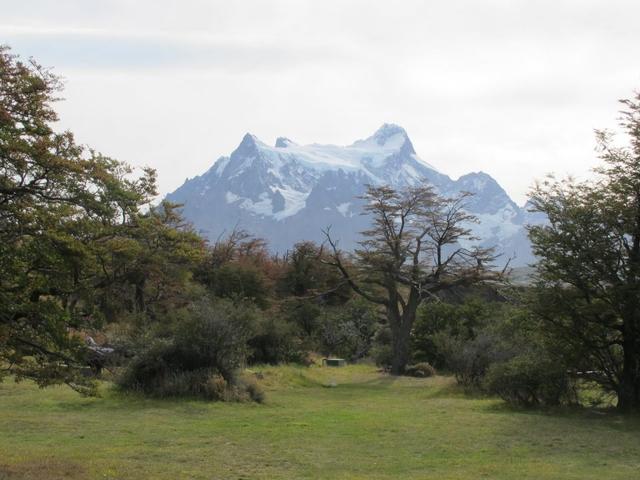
(96, 276)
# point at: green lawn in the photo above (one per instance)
(369, 426)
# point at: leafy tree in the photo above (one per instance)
(308, 276)
(412, 252)
(75, 245)
(589, 269)
(238, 267)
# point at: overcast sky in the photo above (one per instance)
(512, 88)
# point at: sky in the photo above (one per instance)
(512, 88)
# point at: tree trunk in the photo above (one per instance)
(401, 326)
(628, 397)
(400, 346)
(629, 387)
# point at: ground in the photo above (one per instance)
(368, 426)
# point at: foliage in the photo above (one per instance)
(237, 268)
(202, 342)
(498, 348)
(470, 359)
(275, 340)
(530, 380)
(437, 321)
(71, 232)
(589, 271)
(307, 275)
(348, 331)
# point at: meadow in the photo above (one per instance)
(316, 422)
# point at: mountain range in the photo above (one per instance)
(288, 192)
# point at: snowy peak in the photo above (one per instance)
(248, 145)
(387, 132)
(389, 138)
(288, 192)
(284, 142)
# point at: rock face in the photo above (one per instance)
(290, 192)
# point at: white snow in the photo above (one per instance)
(363, 155)
(296, 169)
(231, 197)
(220, 165)
(261, 207)
(343, 208)
(294, 201)
(494, 228)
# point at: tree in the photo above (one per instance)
(73, 234)
(412, 252)
(589, 269)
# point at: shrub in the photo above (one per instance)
(348, 331)
(530, 380)
(469, 360)
(198, 355)
(438, 319)
(382, 355)
(421, 370)
(275, 341)
(252, 389)
(381, 352)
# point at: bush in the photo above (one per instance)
(438, 319)
(530, 380)
(275, 341)
(238, 281)
(348, 331)
(381, 351)
(421, 370)
(469, 360)
(382, 355)
(198, 355)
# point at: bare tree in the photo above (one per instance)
(412, 252)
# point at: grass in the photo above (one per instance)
(368, 426)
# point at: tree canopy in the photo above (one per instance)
(78, 234)
(589, 268)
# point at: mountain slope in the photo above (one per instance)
(290, 192)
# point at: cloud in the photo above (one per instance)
(513, 88)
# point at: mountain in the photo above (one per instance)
(290, 192)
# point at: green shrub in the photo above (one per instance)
(348, 331)
(382, 355)
(275, 341)
(438, 320)
(530, 380)
(421, 370)
(198, 354)
(469, 359)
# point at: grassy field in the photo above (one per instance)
(368, 426)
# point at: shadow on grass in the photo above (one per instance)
(574, 415)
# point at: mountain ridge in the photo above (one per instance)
(289, 192)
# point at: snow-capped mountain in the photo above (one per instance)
(290, 192)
